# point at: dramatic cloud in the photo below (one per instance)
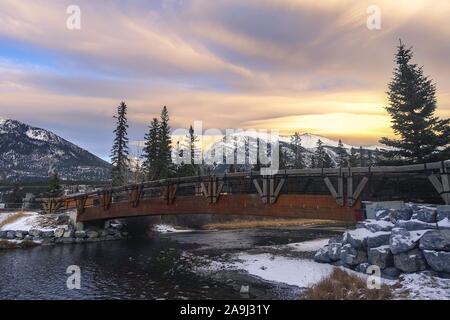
(292, 65)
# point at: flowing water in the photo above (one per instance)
(150, 267)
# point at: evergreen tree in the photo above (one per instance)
(342, 160)
(412, 104)
(55, 189)
(362, 161)
(164, 162)
(119, 151)
(296, 142)
(353, 158)
(151, 150)
(321, 157)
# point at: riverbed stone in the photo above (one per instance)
(411, 261)
(352, 256)
(404, 213)
(438, 260)
(334, 250)
(382, 214)
(381, 256)
(362, 267)
(10, 234)
(414, 225)
(376, 226)
(48, 234)
(80, 234)
(68, 233)
(2, 234)
(35, 232)
(427, 215)
(21, 234)
(378, 239)
(28, 238)
(92, 234)
(322, 255)
(402, 240)
(436, 240)
(59, 233)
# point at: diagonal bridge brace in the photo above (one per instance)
(212, 189)
(268, 192)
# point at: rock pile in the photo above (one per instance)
(411, 239)
(66, 234)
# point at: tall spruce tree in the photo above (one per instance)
(412, 104)
(361, 157)
(342, 156)
(55, 189)
(119, 151)
(321, 157)
(353, 158)
(296, 142)
(151, 150)
(164, 163)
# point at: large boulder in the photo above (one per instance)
(425, 214)
(436, 240)
(21, 234)
(375, 225)
(322, 255)
(391, 272)
(414, 225)
(403, 213)
(10, 234)
(357, 238)
(378, 239)
(3, 234)
(48, 234)
(334, 250)
(35, 233)
(352, 256)
(80, 234)
(383, 214)
(59, 232)
(444, 224)
(438, 260)
(92, 234)
(442, 212)
(411, 261)
(381, 257)
(362, 267)
(68, 233)
(402, 240)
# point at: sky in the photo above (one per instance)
(292, 65)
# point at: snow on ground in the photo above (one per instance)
(30, 220)
(5, 215)
(422, 286)
(165, 228)
(298, 272)
(308, 246)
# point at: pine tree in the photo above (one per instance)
(164, 163)
(362, 160)
(412, 103)
(321, 157)
(151, 150)
(342, 160)
(119, 151)
(296, 142)
(55, 189)
(353, 158)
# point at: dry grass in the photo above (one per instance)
(12, 217)
(269, 223)
(340, 285)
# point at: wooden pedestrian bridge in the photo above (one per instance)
(328, 193)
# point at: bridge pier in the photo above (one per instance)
(268, 193)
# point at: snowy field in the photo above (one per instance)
(25, 222)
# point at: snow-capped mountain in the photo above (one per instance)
(27, 153)
(240, 141)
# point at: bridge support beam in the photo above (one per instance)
(212, 189)
(169, 193)
(52, 205)
(353, 195)
(134, 196)
(269, 193)
(106, 199)
(81, 204)
(442, 186)
(339, 194)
